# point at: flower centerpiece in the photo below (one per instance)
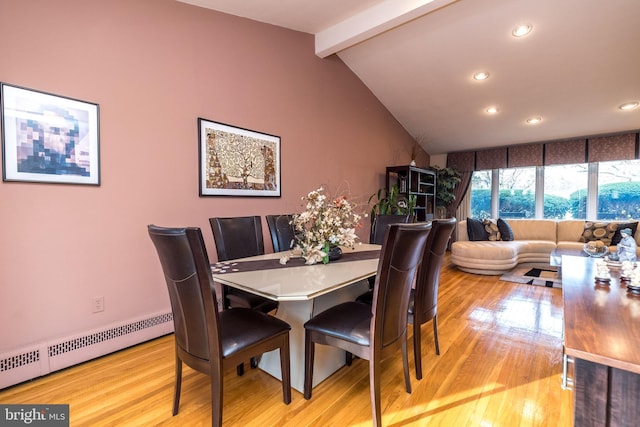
(325, 223)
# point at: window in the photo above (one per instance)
(517, 194)
(481, 194)
(619, 189)
(565, 191)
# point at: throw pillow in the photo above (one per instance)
(475, 230)
(493, 232)
(621, 226)
(506, 233)
(602, 231)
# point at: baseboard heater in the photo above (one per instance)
(43, 358)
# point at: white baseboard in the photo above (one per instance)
(43, 358)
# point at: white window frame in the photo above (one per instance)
(592, 192)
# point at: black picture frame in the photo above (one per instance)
(48, 138)
(237, 162)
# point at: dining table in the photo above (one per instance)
(602, 340)
(302, 291)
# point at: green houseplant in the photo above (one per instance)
(391, 202)
(447, 179)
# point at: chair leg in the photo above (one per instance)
(372, 282)
(417, 347)
(240, 369)
(405, 363)
(374, 389)
(348, 358)
(177, 385)
(435, 333)
(309, 353)
(255, 361)
(285, 369)
(216, 396)
(225, 301)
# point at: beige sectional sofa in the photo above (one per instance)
(534, 240)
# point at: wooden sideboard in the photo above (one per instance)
(602, 336)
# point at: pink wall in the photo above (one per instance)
(154, 67)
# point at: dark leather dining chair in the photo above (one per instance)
(379, 225)
(239, 237)
(423, 304)
(365, 330)
(206, 339)
(282, 231)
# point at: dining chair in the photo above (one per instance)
(208, 340)
(365, 330)
(379, 224)
(282, 231)
(423, 302)
(239, 237)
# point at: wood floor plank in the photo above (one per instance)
(500, 365)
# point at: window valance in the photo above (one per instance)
(525, 155)
(565, 152)
(624, 146)
(609, 148)
(463, 161)
(491, 159)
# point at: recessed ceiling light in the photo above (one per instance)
(629, 105)
(522, 30)
(492, 110)
(481, 75)
(534, 120)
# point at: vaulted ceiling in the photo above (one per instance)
(575, 68)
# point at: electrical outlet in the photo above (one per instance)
(98, 304)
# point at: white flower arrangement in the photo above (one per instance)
(325, 222)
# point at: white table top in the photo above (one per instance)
(298, 283)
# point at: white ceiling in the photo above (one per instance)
(581, 62)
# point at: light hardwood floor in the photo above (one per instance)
(500, 365)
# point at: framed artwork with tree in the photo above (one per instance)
(237, 162)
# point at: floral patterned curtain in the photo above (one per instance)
(520, 156)
(609, 148)
(565, 152)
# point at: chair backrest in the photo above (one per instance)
(237, 237)
(426, 294)
(399, 259)
(281, 230)
(186, 268)
(379, 225)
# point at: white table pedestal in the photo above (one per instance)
(327, 359)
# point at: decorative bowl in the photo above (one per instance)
(595, 251)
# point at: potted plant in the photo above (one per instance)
(447, 180)
(391, 202)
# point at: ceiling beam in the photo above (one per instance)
(371, 22)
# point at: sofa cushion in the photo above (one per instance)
(506, 233)
(487, 251)
(570, 230)
(533, 229)
(476, 230)
(621, 226)
(535, 247)
(571, 246)
(602, 231)
(493, 232)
